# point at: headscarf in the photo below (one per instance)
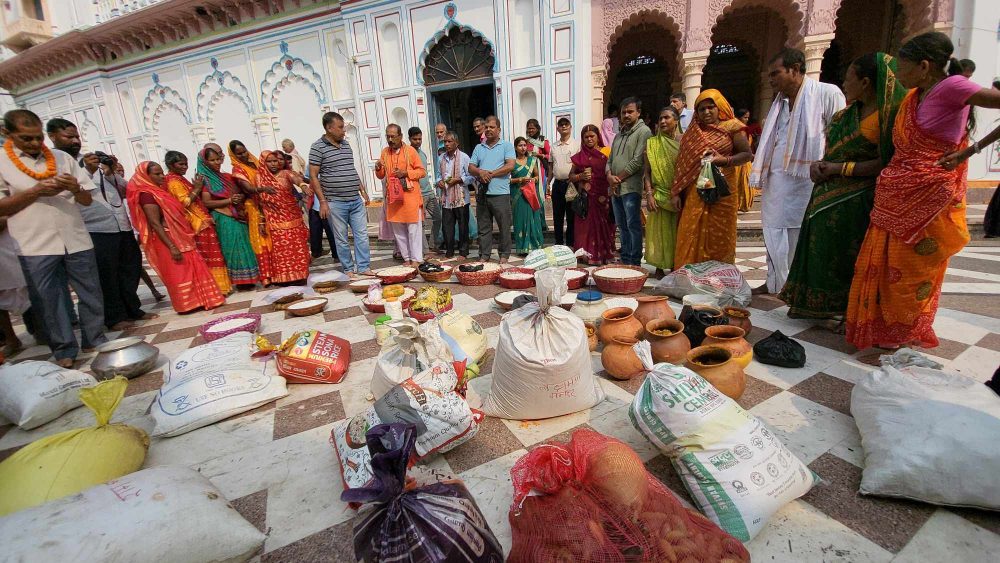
(591, 157)
(699, 139)
(173, 211)
(264, 175)
(662, 151)
(220, 184)
(249, 171)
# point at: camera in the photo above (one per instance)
(105, 159)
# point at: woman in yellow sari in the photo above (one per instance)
(658, 179)
(245, 167)
(743, 190)
(707, 231)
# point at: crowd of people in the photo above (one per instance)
(862, 204)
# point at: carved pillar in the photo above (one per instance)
(694, 65)
(267, 129)
(764, 97)
(815, 47)
(598, 80)
(200, 133)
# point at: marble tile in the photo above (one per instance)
(826, 338)
(493, 440)
(253, 507)
(210, 442)
(986, 519)
(806, 428)
(765, 302)
(531, 432)
(491, 486)
(990, 341)
(338, 314)
(977, 363)
(756, 392)
(889, 523)
(617, 425)
(176, 334)
(145, 383)
(829, 391)
(948, 537)
(304, 415)
(850, 449)
(335, 543)
(958, 330)
(663, 470)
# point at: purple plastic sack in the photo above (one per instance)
(436, 523)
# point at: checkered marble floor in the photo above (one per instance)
(276, 464)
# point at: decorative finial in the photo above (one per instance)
(284, 47)
(214, 62)
(156, 79)
(450, 11)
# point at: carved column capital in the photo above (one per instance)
(815, 46)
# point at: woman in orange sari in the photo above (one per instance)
(169, 241)
(918, 220)
(246, 167)
(707, 231)
(289, 235)
(205, 237)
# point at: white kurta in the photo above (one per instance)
(13, 289)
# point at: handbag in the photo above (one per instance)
(579, 204)
(530, 195)
(393, 189)
(711, 184)
(571, 193)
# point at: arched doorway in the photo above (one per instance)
(863, 26)
(458, 75)
(642, 62)
(743, 39)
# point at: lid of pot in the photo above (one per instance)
(590, 296)
(383, 319)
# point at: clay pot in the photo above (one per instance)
(620, 360)
(672, 347)
(731, 338)
(618, 322)
(652, 308)
(716, 365)
(738, 317)
(591, 336)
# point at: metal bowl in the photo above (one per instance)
(128, 357)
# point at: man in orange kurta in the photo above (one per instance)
(400, 167)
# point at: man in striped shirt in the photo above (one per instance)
(342, 197)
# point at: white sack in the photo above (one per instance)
(722, 281)
(213, 382)
(412, 350)
(929, 435)
(542, 367)
(33, 393)
(737, 471)
(463, 335)
(164, 514)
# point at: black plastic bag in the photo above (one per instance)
(579, 204)
(522, 300)
(697, 320)
(436, 523)
(779, 350)
(711, 184)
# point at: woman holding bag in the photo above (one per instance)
(658, 179)
(595, 232)
(526, 199)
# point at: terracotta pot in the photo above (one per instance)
(653, 308)
(620, 360)
(591, 336)
(731, 338)
(716, 365)
(738, 317)
(672, 345)
(618, 322)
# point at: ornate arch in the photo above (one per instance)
(158, 97)
(636, 21)
(283, 72)
(620, 15)
(83, 128)
(451, 32)
(699, 37)
(217, 85)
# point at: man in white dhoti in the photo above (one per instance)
(794, 137)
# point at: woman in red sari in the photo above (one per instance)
(205, 237)
(918, 221)
(169, 241)
(595, 233)
(289, 235)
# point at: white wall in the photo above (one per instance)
(977, 36)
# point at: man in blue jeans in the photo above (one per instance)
(625, 179)
(342, 198)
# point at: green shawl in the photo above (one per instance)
(662, 154)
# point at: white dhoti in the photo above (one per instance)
(783, 204)
(409, 240)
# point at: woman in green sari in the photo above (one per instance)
(527, 211)
(658, 178)
(858, 146)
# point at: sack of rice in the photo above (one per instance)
(542, 366)
(213, 382)
(737, 471)
(69, 462)
(412, 350)
(556, 256)
(463, 330)
(164, 514)
(33, 393)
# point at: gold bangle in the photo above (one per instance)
(849, 169)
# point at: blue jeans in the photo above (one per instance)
(628, 217)
(344, 214)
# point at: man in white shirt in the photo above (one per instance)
(679, 101)
(39, 192)
(562, 151)
(454, 195)
(794, 137)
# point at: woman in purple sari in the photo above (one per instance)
(595, 233)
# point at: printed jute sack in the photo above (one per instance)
(213, 382)
(429, 401)
(718, 279)
(33, 393)
(165, 514)
(737, 471)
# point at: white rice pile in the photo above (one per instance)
(516, 276)
(394, 271)
(575, 274)
(230, 324)
(619, 273)
(306, 303)
(508, 297)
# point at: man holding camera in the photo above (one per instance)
(119, 259)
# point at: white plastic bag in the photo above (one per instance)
(164, 514)
(463, 334)
(212, 382)
(428, 400)
(928, 435)
(738, 473)
(542, 367)
(718, 279)
(33, 393)
(413, 349)
(555, 256)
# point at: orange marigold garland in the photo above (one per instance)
(50, 162)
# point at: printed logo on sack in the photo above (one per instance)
(772, 470)
(724, 460)
(757, 479)
(743, 452)
(180, 365)
(740, 487)
(216, 380)
(182, 403)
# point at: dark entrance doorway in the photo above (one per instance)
(458, 75)
(647, 78)
(732, 70)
